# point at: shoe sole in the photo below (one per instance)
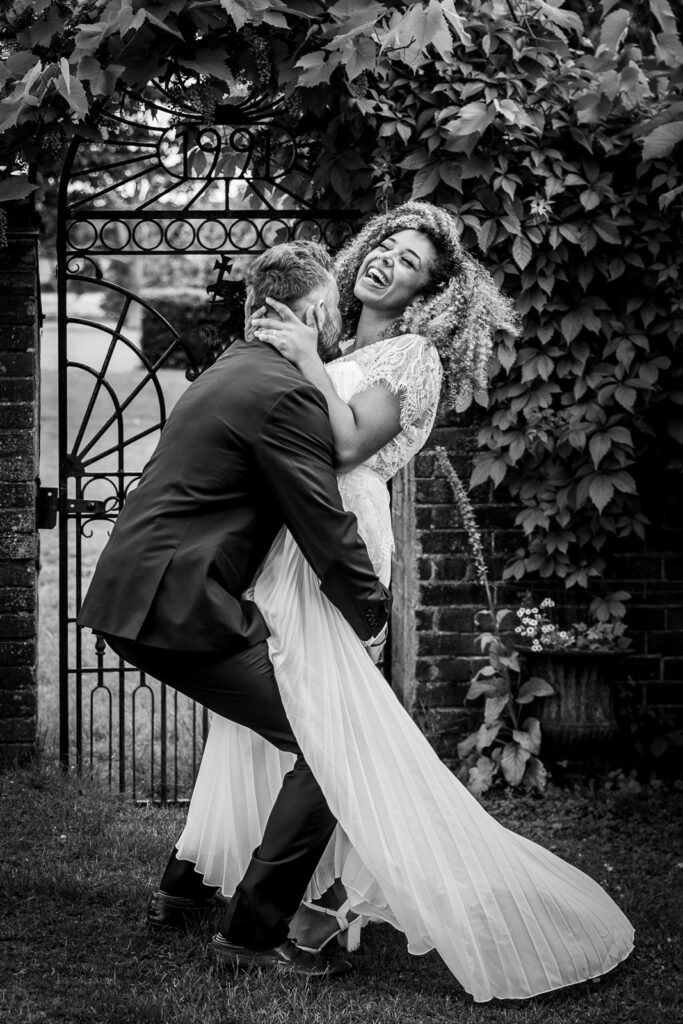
(174, 918)
(242, 961)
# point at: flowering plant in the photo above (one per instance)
(504, 748)
(605, 635)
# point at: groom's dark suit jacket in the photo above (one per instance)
(247, 448)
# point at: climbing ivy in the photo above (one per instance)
(552, 130)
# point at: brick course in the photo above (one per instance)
(19, 375)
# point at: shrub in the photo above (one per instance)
(190, 313)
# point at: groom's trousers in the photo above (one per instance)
(242, 687)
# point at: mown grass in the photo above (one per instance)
(77, 865)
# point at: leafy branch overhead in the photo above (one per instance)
(554, 130)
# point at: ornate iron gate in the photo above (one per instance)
(163, 185)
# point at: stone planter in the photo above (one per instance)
(578, 722)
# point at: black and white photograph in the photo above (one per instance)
(341, 511)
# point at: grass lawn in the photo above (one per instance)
(76, 865)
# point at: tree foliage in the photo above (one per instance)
(552, 129)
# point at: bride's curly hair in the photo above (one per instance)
(458, 310)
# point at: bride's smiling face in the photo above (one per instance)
(395, 272)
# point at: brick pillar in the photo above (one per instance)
(19, 412)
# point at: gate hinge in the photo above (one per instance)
(48, 505)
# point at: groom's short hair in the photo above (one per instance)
(289, 272)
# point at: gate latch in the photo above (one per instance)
(80, 506)
(48, 505)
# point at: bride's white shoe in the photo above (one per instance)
(312, 935)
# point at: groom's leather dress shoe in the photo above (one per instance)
(165, 911)
(287, 957)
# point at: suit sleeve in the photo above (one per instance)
(294, 453)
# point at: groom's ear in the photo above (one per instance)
(248, 307)
(309, 317)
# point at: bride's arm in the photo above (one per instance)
(359, 427)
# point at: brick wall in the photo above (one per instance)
(19, 390)
(433, 571)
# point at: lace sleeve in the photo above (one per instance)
(409, 367)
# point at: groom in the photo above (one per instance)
(247, 448)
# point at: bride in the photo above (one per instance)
(412, 846)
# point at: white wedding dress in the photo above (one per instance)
(413, 847)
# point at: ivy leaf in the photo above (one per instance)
(533, 687)
(255, 11)
(19, 63)
(589, 200)
(43, 29)
(415, 160)
(662, 140)
(607, 231)
(625, 396)
(450, 174)
(425, 181)
(473, 118)
(571, 324)
(666, 199)
(456, 22)
(164, 26)
(419, 27)
(16, 187)
(598, 446)
(488, 467)
(74, 93)
(316, 68)
(521, 251)
(209, 64)
(486, 235)
(361, 57)
(565, 19)
(614, 29)
(513, 762)
(102, 81)
(601, 490)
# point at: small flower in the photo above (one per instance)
(521, 612)
(547, 602)
(518, 629)
(536, 646)
(534, 611)
(540, 207)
